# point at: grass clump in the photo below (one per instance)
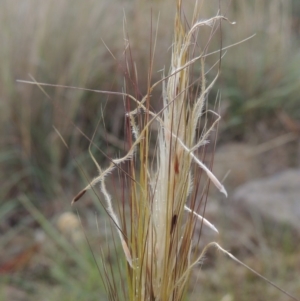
(165, 193)
(158, 239)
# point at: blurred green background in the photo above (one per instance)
(63, 42)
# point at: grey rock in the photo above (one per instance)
(234, 165)
(276, 197)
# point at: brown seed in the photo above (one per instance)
(78, 196)
(174, 221)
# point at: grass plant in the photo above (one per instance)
(158, 239)
(164, 198)
(158, 216)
